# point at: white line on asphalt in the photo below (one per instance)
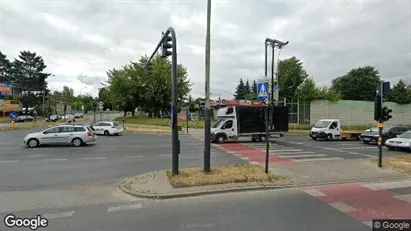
(352, 148)
(318, 159)
(285, 150)
(244, 158)
(358, 153)
(34, 156)
(388, 185)
(124, 207)
(404, 197)
(343, 207)
(8, 161)
(293, 156)
(96, 158)
(133, 156)
(292, 153)
(58, 215)
(167, 155)
(254, 162)
(314, 192)
(56, 159)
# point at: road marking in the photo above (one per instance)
(314, 192)
(404, 197)
(352, 148)
(8, 161)
(292, 153)
(293, 156)
(244, 158)
(318, 159)
(124, 207)
(95, 158)
(58, 215)
(285, 150)
(361, 154)
(367, 223)
(254, 162)
(343, 207)
(167, 155)
(34, 156)
(56, 159)
(133, 156)
(388, 185)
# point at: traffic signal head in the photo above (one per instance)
(377, 108)
(149, 68)
(166, 45)
(386, 114)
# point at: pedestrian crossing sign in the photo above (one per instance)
(262, 90)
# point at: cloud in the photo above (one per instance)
(81, 40)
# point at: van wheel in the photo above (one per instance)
(329, 137)
(220, 139)
(77, 142)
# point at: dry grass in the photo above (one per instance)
(239, 173)
(22, 126)
(401, 163)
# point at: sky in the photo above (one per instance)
(80, 40)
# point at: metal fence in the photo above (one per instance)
(299, 110)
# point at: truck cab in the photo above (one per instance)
(225, 128)
(330, 129)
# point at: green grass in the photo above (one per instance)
(200, 124)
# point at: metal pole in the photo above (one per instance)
(265, 62)
(44, 93)
(272, 73)
(187, 119)
(380, 132)
(207, 122)
(267, 141)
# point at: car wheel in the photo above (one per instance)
(314, 138)
(32, 143)
(77, 142)
(220, 139)
(329, 137)
(106, 133)
(366, 142)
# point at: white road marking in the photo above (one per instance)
(34, 156)
(318, 159)
(8, 161)
(96, 158)
(388, 185)
(292, 153)
(285, 150)
(124, 207)
(367, 223)
(314, 192)
(361, 154)
(58, 215)
(56, 159)
(293, 156)
(352, 148)
(244, 158)
(343, 207)
(166, 155)
(133, 156)
(254, 162)
(404, 197)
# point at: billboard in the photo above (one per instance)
(6, 89)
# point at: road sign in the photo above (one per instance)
(202, 104)
(100, 103)
(276, 87)
(262, 89)
(13, 115)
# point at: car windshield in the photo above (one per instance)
(217, 124)
(406, 135)
(322, 124)
(115, 124)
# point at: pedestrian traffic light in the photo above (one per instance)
(377, 108)
(386, 114)
(166, 46)
(149, 68)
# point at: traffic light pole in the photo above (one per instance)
(380, 127)
(267, 131)
(207, 122)
(175, 142)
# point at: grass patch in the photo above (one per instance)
(239, 173)
(401, 163)
(22, 126)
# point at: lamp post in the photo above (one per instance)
(207, 122)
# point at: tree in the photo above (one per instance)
(291, 75)
(358, 84)
(254, 87)
(5, 69)
(400, 93)
(247, 87)
(308, 91)
(240, 91)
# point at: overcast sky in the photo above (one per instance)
(86, 38)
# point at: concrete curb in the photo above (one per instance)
(247, 188)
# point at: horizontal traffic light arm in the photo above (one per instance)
(170, 31)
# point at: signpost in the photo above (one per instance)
(262, 94)
(13, 116)
(100, 107)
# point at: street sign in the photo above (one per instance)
(13, 115)
(100, 103)
(276, 87)
(202, 104)
(262, 89)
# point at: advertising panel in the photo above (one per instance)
(6, 89)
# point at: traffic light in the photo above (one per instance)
(377, 108)
(166, 46)
(386, 114)
(149, 68)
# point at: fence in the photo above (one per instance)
(352, 112)
(299, 110)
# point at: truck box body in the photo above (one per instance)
(250, 120)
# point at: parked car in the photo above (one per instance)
(402, 142)
(107, 128)
(68, 118)
(53, 118)
(24, 118)
(371, 135)
(76, 135)
(78, 115)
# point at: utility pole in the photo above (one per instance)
(207, 122)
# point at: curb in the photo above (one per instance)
(247, 188)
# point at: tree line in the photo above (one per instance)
(357, 84)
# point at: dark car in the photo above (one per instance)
(23, 118)
(371, 135)
(53, 118)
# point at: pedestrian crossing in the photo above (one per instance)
(296, 154)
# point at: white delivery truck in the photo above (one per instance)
(241, 119)
(330, 129)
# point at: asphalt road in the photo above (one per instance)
(281, 210)
(302, 148)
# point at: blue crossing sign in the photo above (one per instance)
(13, 115)
(262, 90)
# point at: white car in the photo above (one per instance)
(107, 128)
(76, 135)
(402, 141)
